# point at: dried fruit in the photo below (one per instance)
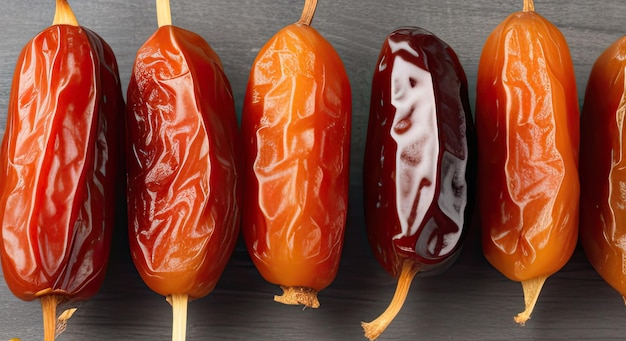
(184, 192)
(602, 176)
(296, 129)
(419, 163)
(527, 122)
(60, 161)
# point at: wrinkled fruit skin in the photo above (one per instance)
(296, 127)
(527, 122)
(60, 165)
(419, 165)
(184, 192)
(602, 175)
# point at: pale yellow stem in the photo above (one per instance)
(308, 12)
(62, 320)
(375, 328)
(532, 289)
(529, 6)
(298, 295)
(63, 14)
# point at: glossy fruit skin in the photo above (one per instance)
(60, 165)
(602, 176)
(527, 121)
(184, 194)
(419, 164)
(296, 127)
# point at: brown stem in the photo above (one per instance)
(179, 316)
(373, 329)
(49, 308)
(164, 13)
(308, 12)
(529, 6)
(298, 295)
(63, 14)
(532, 289)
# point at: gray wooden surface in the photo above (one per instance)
(471, 301)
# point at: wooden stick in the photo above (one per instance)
(164, 13)
(373, 329)
(308, 12)
(179, 315)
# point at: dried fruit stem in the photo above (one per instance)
(49, 308)
(62, 320)
(308, 12)
(64, 15)
(532, 289)
(298, 295)
(373, 329)
(529, 5)
(179, 314)
(164, 14)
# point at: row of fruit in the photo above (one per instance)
(172, 164)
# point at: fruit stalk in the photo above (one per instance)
(373, 329)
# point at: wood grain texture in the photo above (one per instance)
(471, 301)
